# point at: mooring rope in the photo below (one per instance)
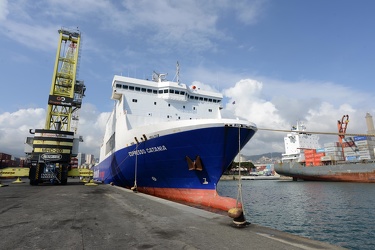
(239, 191)
(315, 132)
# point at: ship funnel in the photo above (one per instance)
(370, 124)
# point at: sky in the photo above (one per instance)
(280, 61)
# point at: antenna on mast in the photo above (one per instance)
(177, 76)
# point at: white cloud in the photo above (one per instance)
(283, 106)
(91, 128)
(14, 128)
(33, 36)
(248, 12)
(186, 25)
(247, 95)
(3, 10)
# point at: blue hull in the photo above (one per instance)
(161, 162)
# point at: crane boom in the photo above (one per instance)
(66, 92)
(342, 125)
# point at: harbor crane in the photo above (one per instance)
(51, 149)
(342, 125)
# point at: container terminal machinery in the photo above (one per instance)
(50, 149)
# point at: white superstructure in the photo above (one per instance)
(296, 141)
(155, 105)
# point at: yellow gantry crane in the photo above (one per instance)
(66, 93)
(53, 146)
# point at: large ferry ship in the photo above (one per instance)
(351, 160)
(169, 140)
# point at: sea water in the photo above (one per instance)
(338, 213)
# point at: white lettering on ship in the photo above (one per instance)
(148, 150)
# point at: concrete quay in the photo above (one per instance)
(76, 216)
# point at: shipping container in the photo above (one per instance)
(360, 138)
(332, 144)
(369, 143)
(351, 158)
(334, 153)
(350, 149)
(365, 157)
(326, 158)
(364, 147)
(4, 156)
(308, 159)
(350, 153)
(364, 152)
(309, 151)
(319, 154)
(330, 149)
(337, 158)
(320, 150)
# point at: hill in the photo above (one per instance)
(273, 156)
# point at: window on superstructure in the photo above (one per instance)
(165, 91)
(205, 99)
(118, 85)
(125, 86)
(149, 90)
(196, 97)
(209, 110)
(200, 98)
(131, 87)
(161, 91)
(110, 144)
(137, 89)
(154, 91)
(183, 107)
(192, 97)
(177, 92)
(193, 108)
(210, 100)
(134, 100)
(169, 104)
(154, 103)
(172, 91)
(214, 100)
(182, 93)
(143, 89)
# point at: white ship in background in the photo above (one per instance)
(297, 141)
(351, 159)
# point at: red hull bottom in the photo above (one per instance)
(201, 197)
(342, 177)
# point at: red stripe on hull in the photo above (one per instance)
(343, 177)
(202, 197)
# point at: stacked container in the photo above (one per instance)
(358, 148)
(5, 160)
(333, 152)
(313, 157)
(349, 149)
(365, 147)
